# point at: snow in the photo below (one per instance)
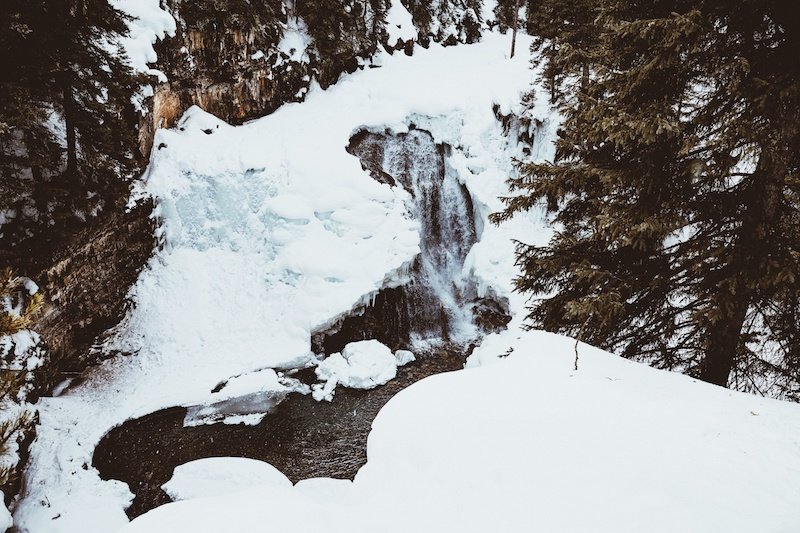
(295, 40)
(216, 476)
(270, 231)
(403, 357)
(399, 24)
(150, 24)
(5, 517)
(528, 444)
(361, 365)
(30, 286)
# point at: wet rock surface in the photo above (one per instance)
(301, 437)
(86, 282)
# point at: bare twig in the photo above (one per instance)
(578, 340)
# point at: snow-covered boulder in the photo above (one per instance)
(215, 476)
(361, 365)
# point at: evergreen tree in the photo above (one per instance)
(17, 308)
(566, 34)
(447, 21)
(95, 83)
(342, 32)
(675, 188)
(29, 149)
(67, 125)
(504, 13)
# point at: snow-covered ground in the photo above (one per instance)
(215, 476)
(528, 444)
(270, 231)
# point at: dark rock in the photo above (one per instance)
(85, 284)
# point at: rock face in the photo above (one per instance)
(85, 288)
(240, 60)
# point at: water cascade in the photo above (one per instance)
(440, 302)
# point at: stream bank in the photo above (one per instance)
(301, 437)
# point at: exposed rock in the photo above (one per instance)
(86, 286)
(234, 59)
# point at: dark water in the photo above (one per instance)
(301, 437)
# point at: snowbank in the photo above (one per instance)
(270, 231)
(528, 444)
(215, 476)
(5, 517)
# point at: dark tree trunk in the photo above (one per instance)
(724, 336)
(69, 124)
(724, 339)
(515, 16)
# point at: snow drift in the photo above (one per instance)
(528, 444)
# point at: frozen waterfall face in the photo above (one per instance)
(440, 302)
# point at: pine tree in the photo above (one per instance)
(95, 83)
(567, 35)
(675, 189)
(17, 308)
(447, 21)
(67, 124)
(342, 33)
(29, 150)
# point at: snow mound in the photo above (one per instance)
(215, 476)
(361, 365)
(529, 444)
(403, 357)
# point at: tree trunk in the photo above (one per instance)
(515, 15)
(585, 77)
(69, 124)
(724, 338)
(738, 293)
